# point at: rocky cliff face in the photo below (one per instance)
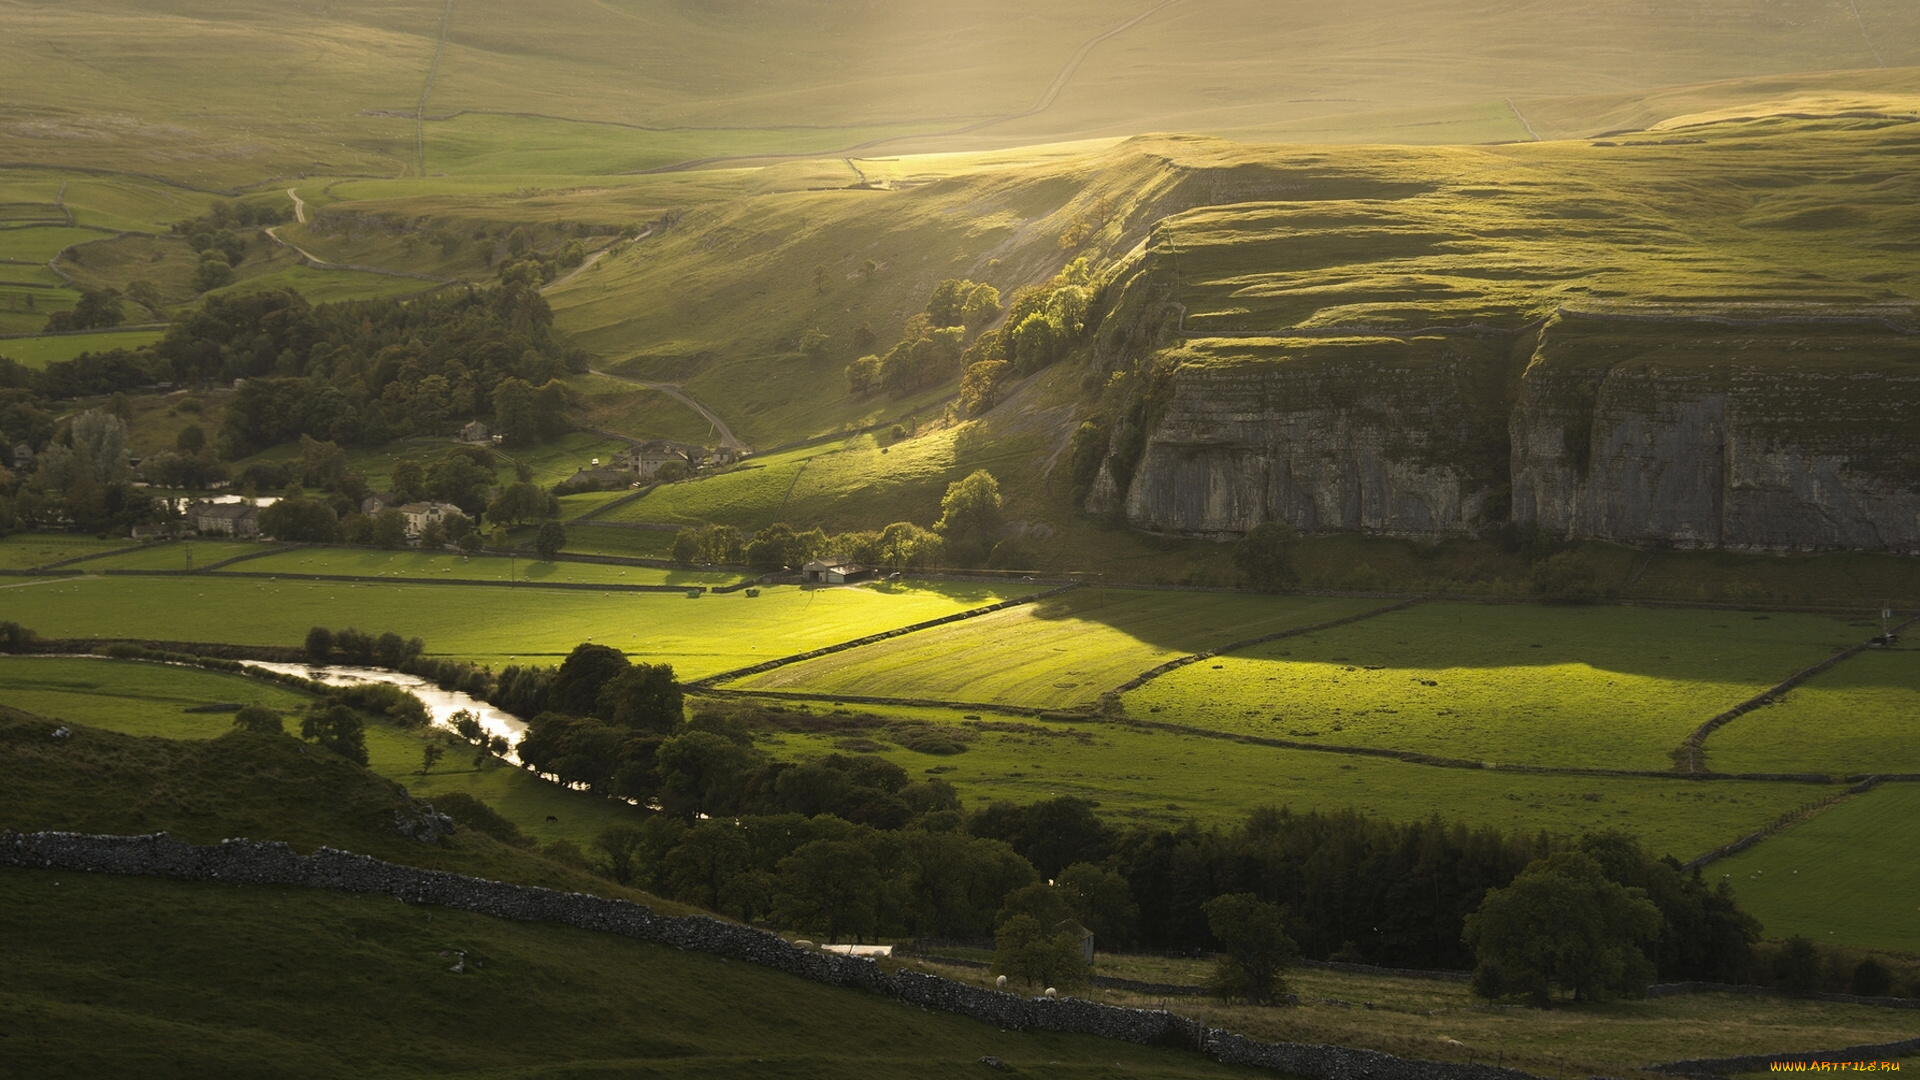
(1371, 434)
(1776, 438)
(1789, 436)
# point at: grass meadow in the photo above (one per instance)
(146, 699)
(39, 352)
(173, 555)
(1063, 651)
(1848, 876)
(24, 551)
(134, 697)
(1859, 717)
(413, 564)
(1584, 686)
(1142, 775)
(493, 624)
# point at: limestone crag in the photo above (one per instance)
(1376, 435)
(1769, 436)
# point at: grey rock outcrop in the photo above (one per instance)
(1788, 435)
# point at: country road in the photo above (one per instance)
(299, 207)
(727, 438)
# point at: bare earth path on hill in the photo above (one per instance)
(591, 259)
(727, 438)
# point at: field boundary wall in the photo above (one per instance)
(1247, 643)
(1660, 990)
(271, 863)
(1687, 758)
(1727, 1066)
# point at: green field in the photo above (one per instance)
(407, 564)
(174, 555)
(41, 351)
(1849, 876)
(24, 551)
(1062, 651)
(164, 977)
(493, 624)
(134, 697)
(1165, 778)
(1607, 687)
(1856, 718)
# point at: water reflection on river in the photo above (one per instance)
(441, 704)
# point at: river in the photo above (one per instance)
(441, 704)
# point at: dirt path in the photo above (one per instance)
(1515, 109)
(426, 91)
(299, 207)
(727, 438)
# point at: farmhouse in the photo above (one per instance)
(224, 519)
(22, 457)
(420, 514)
(476, 432)
(650, 458)
(834, 570)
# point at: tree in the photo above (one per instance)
(390, 529)
(191, 440)
(300, 520)
(980, 386)
(970, 511)
(1562, 920)
(831, 885)
(430, 755)
(433, 535)
(1796, 967)
(520, 503)
(1024, 949)
(1102, 901)
(1870, 979)
(549, 540)
(645, 697)
(214, 271)
(461, 481)
(408, 482)
(338, 729)
(862, 373)
(1257, 949)
(96, 309)
(622, 845)
(319, 644)
(700, 866)
(258, 719)
(582, 677)
(471, 541)
(982, 304)
(1265, 555)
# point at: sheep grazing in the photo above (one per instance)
(1052, 994)
(1001, 982)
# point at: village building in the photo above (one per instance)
(476, 432)
(649, 458)
(421, 514)
(833, 570)
(225, 519)
(22, 457)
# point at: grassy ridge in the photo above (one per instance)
(1605, 687)
(1063, 651)
(107, 975)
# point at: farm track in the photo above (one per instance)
(727, 438)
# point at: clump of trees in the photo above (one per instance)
(932, 344)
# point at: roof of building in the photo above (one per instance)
(234, 511)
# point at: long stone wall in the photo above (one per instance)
(254, 862)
